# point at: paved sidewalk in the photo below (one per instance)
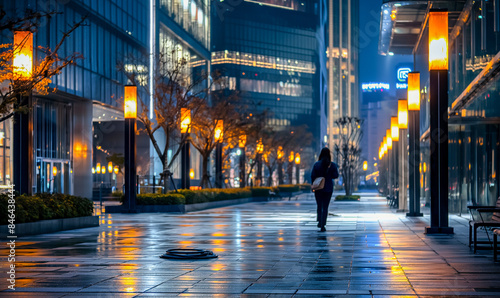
(265, 249)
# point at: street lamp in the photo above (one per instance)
(185, 150)
(291, 157)
(297, 168)
(259, 149)
(402, 154)
(242, 141)
(130, 107)
(365, 165)
(414, 142)
(393, 157)
(438, 97)
(218, 136)
(279, 154)
(22, 63)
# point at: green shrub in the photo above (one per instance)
(347, 198)
(46, 206)
(289, 188)
(160, 199)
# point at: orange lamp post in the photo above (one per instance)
(297, 167)
(438, 124)
(414, 143)
(185, 127)
(130, 113)
(402, 155)
(218, 136)
(242, 141)
(22, 143)
(259, 149)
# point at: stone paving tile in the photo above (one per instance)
(266, 249)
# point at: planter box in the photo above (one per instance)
(184, 208)
(52, 225)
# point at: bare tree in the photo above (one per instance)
(52, 64)
(204, 128)
(348, 150)
(175, 88)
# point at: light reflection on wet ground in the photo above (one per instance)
(266, 248)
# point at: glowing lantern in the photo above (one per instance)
(438, 40)
(388, 139)
(414, 91)
(291, 156)
(116, 169)
(98, 168)
(260, 147)
(22, 59)
(103, 170)
(185, 120)
(191, 173)
(403, 113)
(110, 167)
(242, 141)
(394, 129)
(365, 165)
(54, 171)
(93, 170)
(218, 133)
(297, 158)
(130, 101)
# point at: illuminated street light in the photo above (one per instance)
(414, 143)
(403, 114)
(438, 121)
(130, 113)
(218, 136)
(394, 129)
(22, 58)
(185, 128)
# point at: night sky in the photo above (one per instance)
(374, 67)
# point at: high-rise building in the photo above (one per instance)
(273, 52)
(342, 55)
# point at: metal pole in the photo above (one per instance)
(414, 163)
(130, 169)
(23, 148)
(218, 165)
(242, 167)
(297, 173)
(185, 164)
(402, 177)
(438, 93)
(259, 169)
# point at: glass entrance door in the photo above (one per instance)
(52, 176)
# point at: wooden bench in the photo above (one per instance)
(474, 224)
(496, 233)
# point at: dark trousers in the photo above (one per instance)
(322, 201)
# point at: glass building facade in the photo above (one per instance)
(273, 52)
(474, 109)
(84, 93)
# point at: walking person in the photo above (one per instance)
(324, 167)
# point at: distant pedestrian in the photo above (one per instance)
(324, 167)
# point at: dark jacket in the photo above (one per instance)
(320, 170)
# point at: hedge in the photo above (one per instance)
(347, 198)
(44, 207)
(186, 196)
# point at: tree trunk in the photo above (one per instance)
(166, 178)
(280, 173)
(204, 170)
(270, 177)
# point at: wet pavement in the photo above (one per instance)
(266, 249)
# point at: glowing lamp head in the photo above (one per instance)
(394, 129)
(365, 165)
(110, 167)
(98, 168)
(54, 171)
(291, 157)
(414, 91)
(297, 158)
(280, 152)
(93, 170)
(116, 169)
(403, 113)
(103, 170)
(438, 40)
(260, 147)
(130, 102)
(22, 59)
(185, 120)
(218, 133)
(388, 139)
(191, 173)
(242, 141)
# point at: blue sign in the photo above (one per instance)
(403, 74)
